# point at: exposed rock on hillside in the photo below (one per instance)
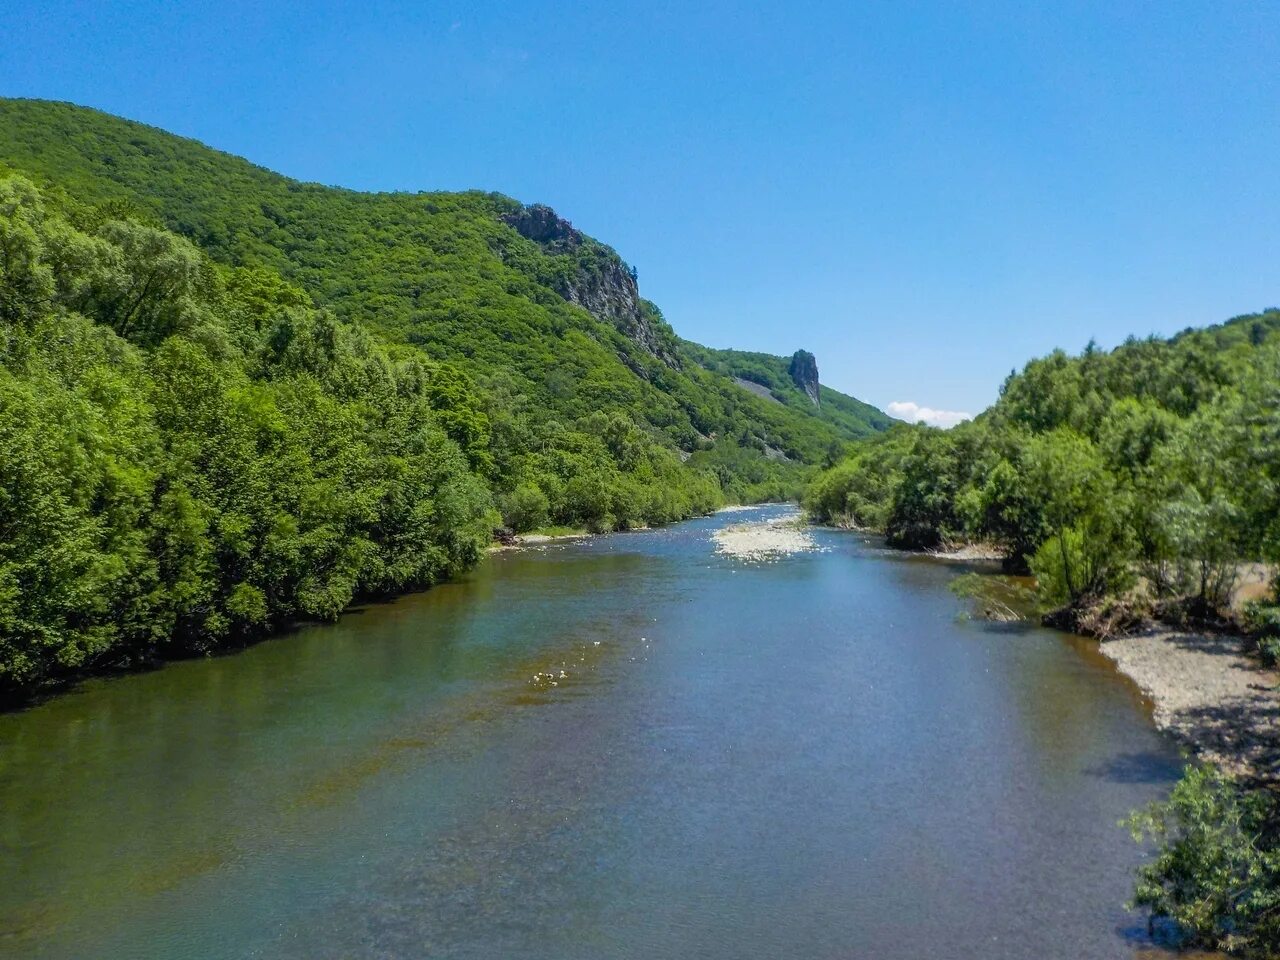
(601, 283)
(759, 389)
(804, 371)
(543, 226)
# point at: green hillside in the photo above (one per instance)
(845, 413)
(441, 271)
(229, 400)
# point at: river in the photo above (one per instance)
(622, 747)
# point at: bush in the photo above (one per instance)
(1262, 620)
(1071, 567)
(525, 508)
(1217, 872)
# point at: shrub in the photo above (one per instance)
(1217, 872)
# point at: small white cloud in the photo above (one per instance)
(912, 412)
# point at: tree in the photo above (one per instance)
(1089, 548)
(26, 280)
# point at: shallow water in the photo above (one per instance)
(811, 758)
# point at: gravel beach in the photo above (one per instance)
(1205, 691)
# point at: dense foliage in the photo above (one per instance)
(228, 399)
(1217, 874)
(190, 453)
(1157, 463)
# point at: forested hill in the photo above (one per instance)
(782, 381)
(514, 296)
(229, 400)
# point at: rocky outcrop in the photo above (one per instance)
(541, 224)
(600, 282)
(804, 371)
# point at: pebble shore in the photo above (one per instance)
(1205, 691)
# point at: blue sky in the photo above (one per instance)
(924, 195)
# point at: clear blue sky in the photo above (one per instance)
(924, 195)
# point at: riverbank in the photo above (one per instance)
(965, 552)
(969, 553)
(539, 537)
(1205, 690)
(1207, 693)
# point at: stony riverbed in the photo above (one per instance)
(764, 540)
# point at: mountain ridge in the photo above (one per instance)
(258, 216)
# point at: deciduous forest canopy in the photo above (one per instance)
(1159, 460)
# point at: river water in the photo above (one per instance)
(625, 747)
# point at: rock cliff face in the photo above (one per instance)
(600, 283)
(804, 371)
